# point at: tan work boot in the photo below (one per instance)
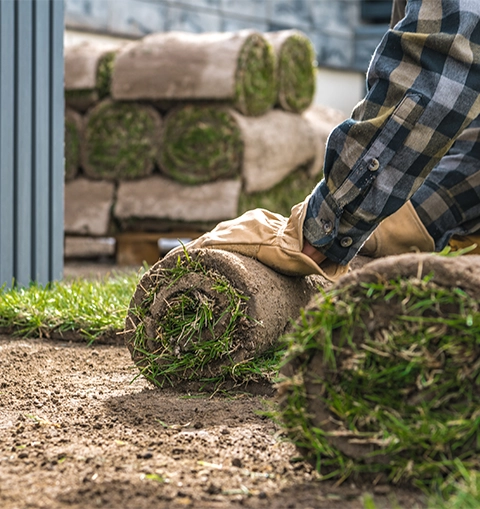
(402, 232)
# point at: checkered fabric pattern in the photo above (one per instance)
(448, 202)
(423, 92)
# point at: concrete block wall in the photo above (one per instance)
(341, 39)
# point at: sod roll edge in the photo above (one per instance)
(296, 74)
(121, 140)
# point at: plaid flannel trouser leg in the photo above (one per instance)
(448, 202)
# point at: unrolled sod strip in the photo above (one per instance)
(88, 70)
(121, 140)
(383, 376)
(236, 67)
(205, 143)
(198, 317)
(295, 58)
(73, 138)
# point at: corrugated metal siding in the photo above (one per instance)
(31, 141)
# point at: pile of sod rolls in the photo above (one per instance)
(382, 379)
(221, 120)
(210, 318)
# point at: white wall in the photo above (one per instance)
(339, 89)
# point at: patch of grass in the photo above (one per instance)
(402, 391)
(89, 307)
(104, 74)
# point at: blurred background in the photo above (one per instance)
(344, 32)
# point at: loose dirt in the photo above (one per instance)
(79, 429)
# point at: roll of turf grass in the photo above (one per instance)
(88, 72)
(201, 144)
(73, 137)
(295, 58)
(383, 376)
(121, 140)
(207, 318)
(233, 67)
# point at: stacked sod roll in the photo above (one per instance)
(120, 141)
(219, 122)
(295, 72)
(382, 378)
(235, 67)
(73, 142)
(88, 72)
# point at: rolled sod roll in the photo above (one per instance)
(201, 144)
(205, 143)
(237, 67)
(88, 72)
(121, 140)
(203, 316)
(73, 139)
(295, 58)
(383, 372)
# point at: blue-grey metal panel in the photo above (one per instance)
(57, 115)
(23, 141)
(41, 124)
(31, 141)
(7, 84)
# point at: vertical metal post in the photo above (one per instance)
(7, 94)
(31, 141)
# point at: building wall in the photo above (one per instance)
(343, 39)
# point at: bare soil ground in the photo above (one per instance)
(80, 430)
(77, 431)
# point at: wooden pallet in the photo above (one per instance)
(137, 248)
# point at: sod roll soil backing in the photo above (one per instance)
(295, 69)
(210, 317)
(73, 139)
(384, 372)
(121, 140)
(201, 144)
(237, 67)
